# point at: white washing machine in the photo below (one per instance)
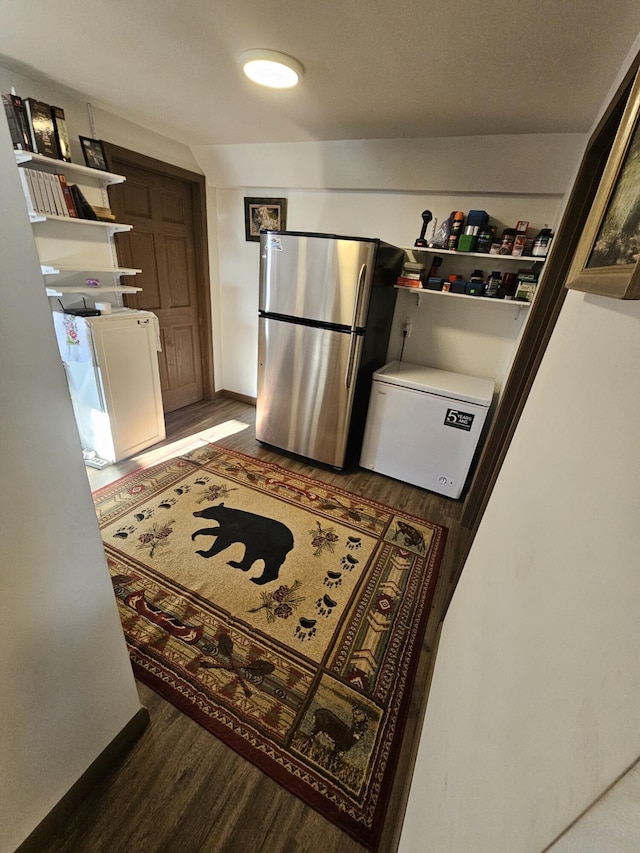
(423, 425)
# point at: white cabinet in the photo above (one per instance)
(73, 251)
(112, 369)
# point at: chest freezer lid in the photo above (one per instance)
(456, 386)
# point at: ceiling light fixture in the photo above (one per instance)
(270, 68)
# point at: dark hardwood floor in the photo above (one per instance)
(179, 789)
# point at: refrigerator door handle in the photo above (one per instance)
(354, 325)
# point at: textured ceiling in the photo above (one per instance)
(374, 68)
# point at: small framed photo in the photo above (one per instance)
(264, 214)
(94, 153)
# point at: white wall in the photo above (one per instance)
(612, 825)
(379, 188)
(532, 712)
(67, 686)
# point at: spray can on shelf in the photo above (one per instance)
(457, 222)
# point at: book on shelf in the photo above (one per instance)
(56, 192)
(51, 196)
(28, 193)
(17, 121)
(34, 188)
(104, 213)
(68, 198)
(43, 137)
(85, 211)
(61, 133)
(47, 193)
(44, 196)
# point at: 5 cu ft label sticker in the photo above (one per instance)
(459, 420)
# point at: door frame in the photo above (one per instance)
(200, 233)
(543, 315)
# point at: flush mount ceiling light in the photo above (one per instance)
(270, 68)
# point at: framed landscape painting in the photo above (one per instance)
(607, 260)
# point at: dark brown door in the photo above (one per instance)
(163, 244)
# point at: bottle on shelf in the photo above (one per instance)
(485, 239)
(542, 242)
(508, 240)
(494, 285)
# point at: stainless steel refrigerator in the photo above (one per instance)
(325, 311)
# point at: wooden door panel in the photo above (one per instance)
(179, 272)
(172, 207)
(184, 345)
(136, 199)
(162, 244)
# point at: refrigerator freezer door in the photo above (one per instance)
(306, 389)
(422, 439)
(321, 279)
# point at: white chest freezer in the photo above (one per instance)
(423, 425)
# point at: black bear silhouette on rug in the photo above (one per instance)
(264, 539)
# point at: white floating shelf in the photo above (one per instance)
(72, 220)
(419, 292)
(484, 255)
(51, 269)
(68, 168)
(94, 291)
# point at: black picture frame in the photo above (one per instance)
(94, 153)
(264, 214)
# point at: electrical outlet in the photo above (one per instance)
(406, 328)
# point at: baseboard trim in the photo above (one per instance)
(61, 812)
(242, 398)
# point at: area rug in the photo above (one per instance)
(284, 615)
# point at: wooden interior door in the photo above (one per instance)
(164, 244)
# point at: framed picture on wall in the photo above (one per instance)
(94, 153)
(264, 214)
(607, 260)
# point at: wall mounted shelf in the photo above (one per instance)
(87, 243)
(497, 304)
(34, 218)
(73, 169)
(56, 269)
(516, 259)
(94, 291)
